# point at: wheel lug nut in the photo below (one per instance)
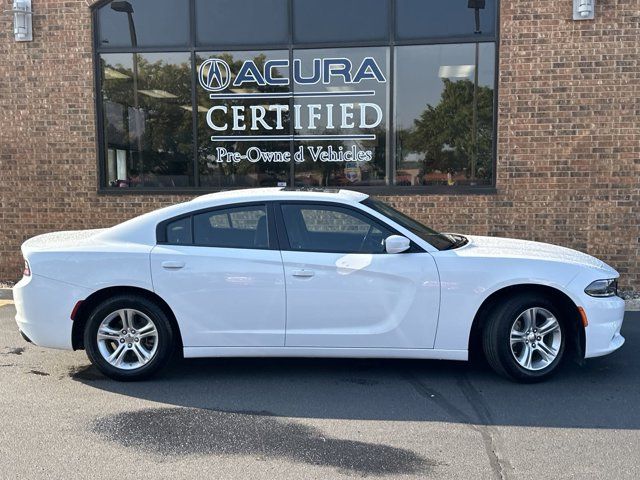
(137, 339)
(130, 345)
(124, 332)
(122, 340)
(534, 345)
(539, 338)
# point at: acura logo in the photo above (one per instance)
(214, 74)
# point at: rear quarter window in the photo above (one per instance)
(179, 232)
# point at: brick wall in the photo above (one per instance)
(568, 143)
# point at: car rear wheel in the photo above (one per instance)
(128, 337)
(524, 338)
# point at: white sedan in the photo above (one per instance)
(310, 273)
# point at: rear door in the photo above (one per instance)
(344, 290)
(221, 273)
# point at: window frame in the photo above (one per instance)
(193, 48)
(283, 237)
(161, 227)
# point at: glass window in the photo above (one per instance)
(340, 116)
(340, 20)
(144, 23)
(179, 232)
(241, 22)
(187, 99)
(148, 128)
(243, 122)
(238, 227)
(444, 114)
(444, 18)
(326, 228)
(441, 241)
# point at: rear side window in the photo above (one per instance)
(179, 232)
(327, 228)
(239, 227)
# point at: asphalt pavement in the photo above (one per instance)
(315, 418)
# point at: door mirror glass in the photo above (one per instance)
(397, 244)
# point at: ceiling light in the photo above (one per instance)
(456, 71)
(112, 74)
(188, 108)
(157, 93)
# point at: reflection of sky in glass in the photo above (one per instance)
(232, 57)
(126, 59)
(156, 23)
(441, 18)
(338, 84)
(356, 55)
(417, 80)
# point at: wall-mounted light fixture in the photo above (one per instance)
(584, 9)
(22, 20)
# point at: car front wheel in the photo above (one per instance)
(524, 338)
(128, 337)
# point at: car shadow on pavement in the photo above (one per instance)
(603, 393)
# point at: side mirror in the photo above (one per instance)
(397, 244)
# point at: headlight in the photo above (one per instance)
(603, 288)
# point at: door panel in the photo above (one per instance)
(227, 297)
(361, 300)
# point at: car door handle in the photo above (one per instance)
(169, 265)
(303, 273)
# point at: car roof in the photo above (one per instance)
(279, 193)
(142, 229)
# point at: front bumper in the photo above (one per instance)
(43, 310)
(605, 316)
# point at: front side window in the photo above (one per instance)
(237, 227)
(365, 94)
(441, 241)
(324, 228)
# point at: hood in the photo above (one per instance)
(59, 240)
(525, 249)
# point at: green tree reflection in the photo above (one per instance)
(165, 108)
(443, 134)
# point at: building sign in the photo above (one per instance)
(332, 109)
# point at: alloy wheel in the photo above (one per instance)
(127, 339)
(536, 338)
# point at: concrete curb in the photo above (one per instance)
(632, 305)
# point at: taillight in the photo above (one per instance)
(27, 269)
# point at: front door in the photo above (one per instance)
(223, 278)
(344, 290)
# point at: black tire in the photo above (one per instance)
(496, 338)
(165, 337)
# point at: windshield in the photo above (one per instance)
(441, 241)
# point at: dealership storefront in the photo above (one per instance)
(478, 116)
(223, 94)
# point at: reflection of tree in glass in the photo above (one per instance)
(168, 130)
(228, 172)
(443, 134)
(330, 174)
